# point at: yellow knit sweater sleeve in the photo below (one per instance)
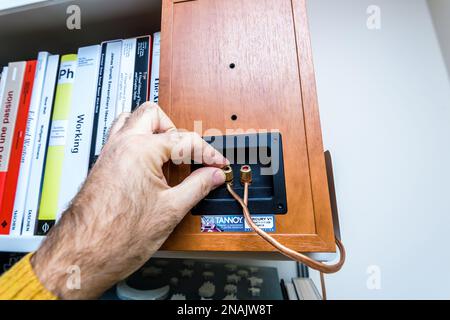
(21, 283)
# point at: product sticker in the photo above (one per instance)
(58, 133)
(236, 223)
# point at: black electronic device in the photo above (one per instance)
(263, 152)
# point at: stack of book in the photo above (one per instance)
(55, 116)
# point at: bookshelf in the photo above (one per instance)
(46, 30)
(19, 244)
(271, 86)
(46, 25)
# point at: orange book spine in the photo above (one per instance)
(10, 183)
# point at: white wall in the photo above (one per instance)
(440, 11)
(385, 110)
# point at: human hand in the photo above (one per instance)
(125, 210)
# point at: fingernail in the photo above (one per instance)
(218, 178)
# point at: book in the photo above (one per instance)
(9, 108)
(283, 290)
(48, 207)
(105, 109)
(17, 143)
(141, 83)
(27, 152)
(4, 75)
(306, 289)
(156, 56)
(98, 98)
(125, 98)
(79, 134)
(40, 146)
(290, 291)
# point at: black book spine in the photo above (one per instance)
(141, 71)
(101, 71)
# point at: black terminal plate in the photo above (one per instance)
(267, 193)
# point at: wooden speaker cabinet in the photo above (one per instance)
(247, 64)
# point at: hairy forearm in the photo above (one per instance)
(95, 239)
(70, 247)
(125, 210)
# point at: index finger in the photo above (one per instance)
(149, 118)
(183, 147)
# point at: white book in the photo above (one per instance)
(9, 109)
(40, 146)
(2, 92)
(156, 56)
(290, 289)
(125, 98)
(79, 133)
(3, 82)
(109, 93)
(27, 152)
(306, 289)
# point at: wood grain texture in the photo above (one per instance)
(271, 87)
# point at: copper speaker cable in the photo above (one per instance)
(292, 254)
(323, 286)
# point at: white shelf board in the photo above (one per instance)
(30, 244)
(20, 244)
(11, 6)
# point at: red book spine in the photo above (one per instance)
(7, 204)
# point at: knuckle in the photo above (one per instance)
(195, 136)
(174, 137)
(186, 138)
(144, 108)
(121, 119)
(196, 140)
(124, 115)
(148, 105)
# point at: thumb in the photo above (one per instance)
(196, 187)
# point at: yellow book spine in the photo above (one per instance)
(48, 207)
